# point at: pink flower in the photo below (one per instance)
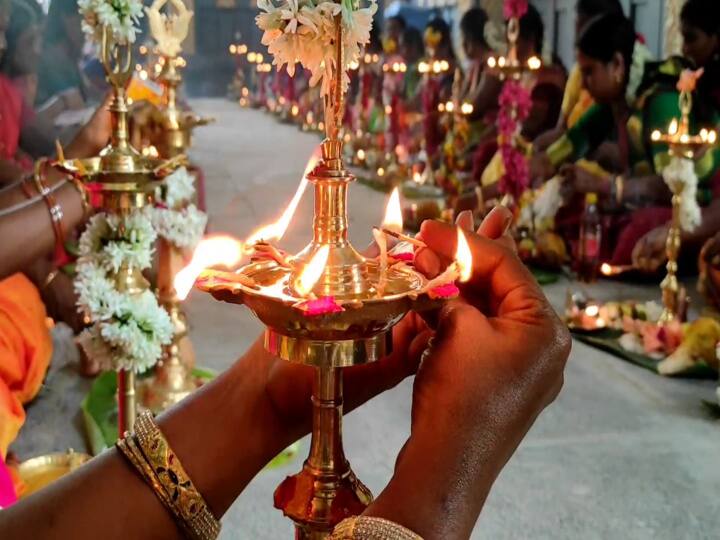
(515, 8)
(320, 306)
(448, 290)
(405, 256)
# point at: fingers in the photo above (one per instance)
(495, 226)
(496, 223)
(465, 220)
(497, 272)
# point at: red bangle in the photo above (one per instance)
(55, 211)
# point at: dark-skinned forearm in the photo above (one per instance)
(216, 435)
(28, 233)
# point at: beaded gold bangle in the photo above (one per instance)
(371, 528)
(149, 453)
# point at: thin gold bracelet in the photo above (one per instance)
(371, 528)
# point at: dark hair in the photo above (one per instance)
(593, 8)
(532, 27)
(472, 25)
(441, 26)
(55, 28)
(702, 14)
(23, 15)
(412, 39)
(606, 35)
(400, 20)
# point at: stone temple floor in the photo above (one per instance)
(622, 453)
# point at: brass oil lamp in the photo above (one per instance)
(684, 146)
(172, 379)
(363, 298)
(124, 180)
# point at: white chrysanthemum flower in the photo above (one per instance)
(91, 238)
(179, 188)
(132, 241)
(137, 332)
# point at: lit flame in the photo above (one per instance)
(275, 231)
(220, 250)
(606, 269)
(534, 62)
(463, 257)
(492, 62)
(593, 310)
(417, 178)
(467, 108)
(312, 271)
(393, 213)
(672, 130)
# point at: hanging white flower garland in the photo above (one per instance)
(120, 16)
(174, 217)
(128, 330)
(302, 31)
(682, 170)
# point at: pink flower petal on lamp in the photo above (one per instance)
(320, 306)
(404, 256)
(448, 290)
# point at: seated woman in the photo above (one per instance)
(701, 46)
(31, 288)
(546, 87)
(576, 99)
(436, 87)
(616, 133)
(19, 64)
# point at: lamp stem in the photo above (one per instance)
(670, 285)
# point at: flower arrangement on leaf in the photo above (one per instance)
(173, 216)
(303, 32)
(121, 17)
(128, 330)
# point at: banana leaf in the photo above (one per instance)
(607, 340)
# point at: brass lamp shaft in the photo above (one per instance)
(127, 410)
(326, 450)
(670, 285)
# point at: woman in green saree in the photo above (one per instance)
(609, 150)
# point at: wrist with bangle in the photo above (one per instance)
(149, 453)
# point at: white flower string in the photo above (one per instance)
(128, 330)
(682, 170)
(121, 17)
(174, 217)
(302, 32)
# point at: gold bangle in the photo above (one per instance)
(84, 197)
(187, 501)
(129, 448)
(371, 528)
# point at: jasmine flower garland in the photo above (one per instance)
(173, 217)
(128, 330)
